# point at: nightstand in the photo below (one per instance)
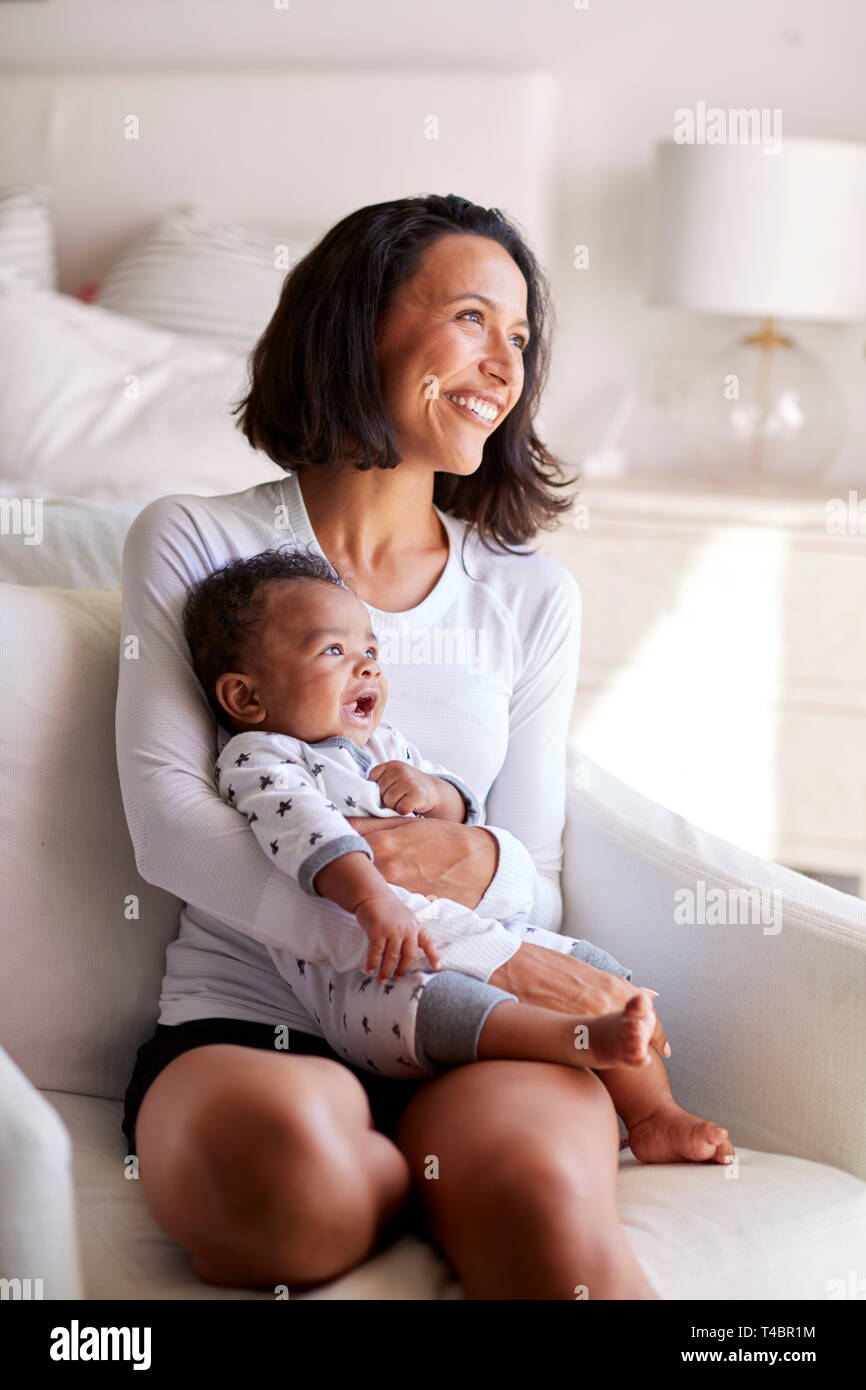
(723, 667)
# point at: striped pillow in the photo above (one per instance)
(27, 234)
(202, 279)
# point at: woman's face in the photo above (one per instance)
(439, 342)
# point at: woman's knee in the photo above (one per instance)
(271, 1182)
(569, 1150)
(539, 1134)
(525, 1202)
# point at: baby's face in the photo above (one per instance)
(314, 670)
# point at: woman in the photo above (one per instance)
(285, 1166)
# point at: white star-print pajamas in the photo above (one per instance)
(296, 798)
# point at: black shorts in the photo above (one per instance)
(388, 1096)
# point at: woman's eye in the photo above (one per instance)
(524, 342)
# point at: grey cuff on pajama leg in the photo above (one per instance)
(602, 960)
(451, 1014)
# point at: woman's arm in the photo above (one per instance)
(186, 839)
(526, 805)
(427, 856)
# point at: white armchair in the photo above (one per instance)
(768, 1037)
(767, 1029)
(39, 1256)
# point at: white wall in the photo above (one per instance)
(625, 67)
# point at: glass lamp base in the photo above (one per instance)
(764, 410)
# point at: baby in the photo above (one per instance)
(284, 652)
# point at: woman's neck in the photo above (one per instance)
(366, 517)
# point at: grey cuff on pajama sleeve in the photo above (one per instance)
(331, 849)
(602, 960)
(451, 1014)
(473, 809)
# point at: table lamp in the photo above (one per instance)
(774, 233)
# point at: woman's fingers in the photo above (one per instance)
(659, 1039)
(368, 826)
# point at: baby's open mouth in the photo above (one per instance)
(362, 708)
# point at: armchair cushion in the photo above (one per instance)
(83, 936)
(776, 1227)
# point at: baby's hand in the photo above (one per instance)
(395, 935)
(405, 788)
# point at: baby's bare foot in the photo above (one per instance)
(616, 1040)
(671, 1135)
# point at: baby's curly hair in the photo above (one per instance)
(223, 611)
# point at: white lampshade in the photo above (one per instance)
(760, 233)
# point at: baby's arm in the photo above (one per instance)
(307, 836)
(408, 791)
(299, 829)
(395, 935)
(412, 783)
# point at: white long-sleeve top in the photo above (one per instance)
(482, 674)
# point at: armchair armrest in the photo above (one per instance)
(38, 1234)
(761, 990)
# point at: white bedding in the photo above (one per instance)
(94, 404)
(62, 542)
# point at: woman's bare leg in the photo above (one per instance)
(617, 1046)
(522, 1196)
(266, 1167)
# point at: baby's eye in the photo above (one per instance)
(371, 651)
(334, 647)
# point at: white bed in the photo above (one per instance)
(290, 153)
(280, 150)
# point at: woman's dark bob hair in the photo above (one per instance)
(315, 395)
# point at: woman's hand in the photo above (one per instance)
(458, 862)
(568, 985)
(432, 856)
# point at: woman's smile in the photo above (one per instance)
(475, 408)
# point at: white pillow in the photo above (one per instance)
(212, 281)
(82, 936)
(65, 542)
(96, 405)
(27, 234)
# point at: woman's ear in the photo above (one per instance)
(238, 698)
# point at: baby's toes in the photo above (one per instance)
(633, 1037)
(725, 1150)
(707, 1138)
(641, 1016)
(638, 1006)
